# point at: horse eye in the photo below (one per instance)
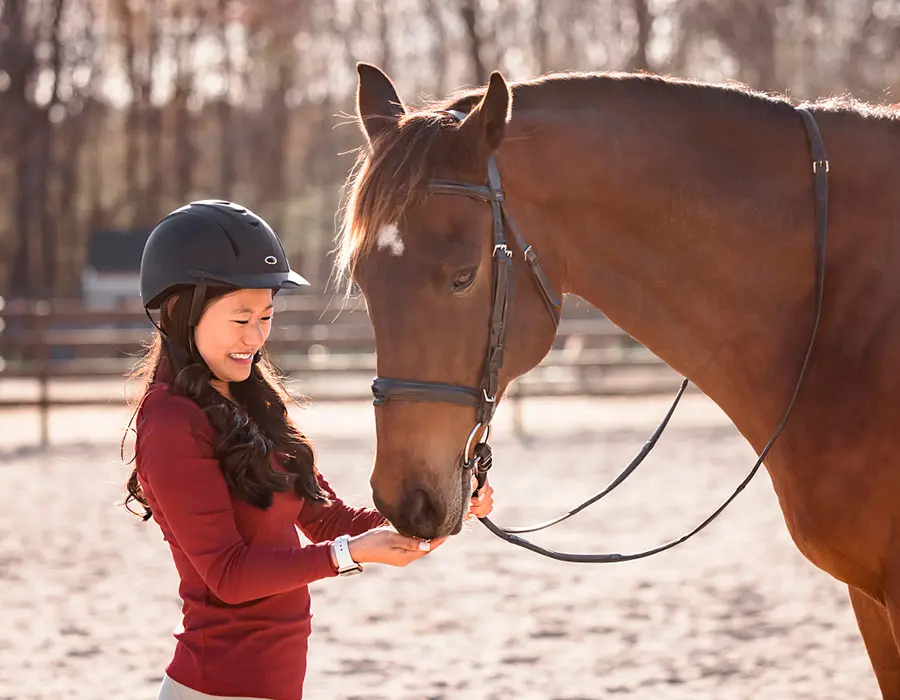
(462, 280)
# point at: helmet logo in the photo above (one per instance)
(271, 259)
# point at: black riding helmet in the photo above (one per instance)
(212, 243)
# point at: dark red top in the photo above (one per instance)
(244, 573)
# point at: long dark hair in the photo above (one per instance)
(249, 429)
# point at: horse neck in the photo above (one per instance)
(687, 218)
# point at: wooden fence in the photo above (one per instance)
(50, 349)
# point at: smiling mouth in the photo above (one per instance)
(241, 356)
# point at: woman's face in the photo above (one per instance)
(232, 328)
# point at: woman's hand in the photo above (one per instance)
(482, 504)
(384, 545)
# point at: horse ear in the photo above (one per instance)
(487, 120)
(377, 104)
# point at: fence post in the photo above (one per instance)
(518, 420)
(42, 313)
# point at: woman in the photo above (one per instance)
(225, 472)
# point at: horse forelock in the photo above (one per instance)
(390, 176)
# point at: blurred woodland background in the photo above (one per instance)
(114, 112)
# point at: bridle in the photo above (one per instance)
(476, 456)
(484, 399)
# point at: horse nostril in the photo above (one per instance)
(423, 512)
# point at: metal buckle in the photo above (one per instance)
(502, 247)
(471, 463)
(817, 164)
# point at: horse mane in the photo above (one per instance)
(389, 176)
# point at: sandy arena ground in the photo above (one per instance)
(89, 593)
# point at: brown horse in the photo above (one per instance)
(684, 212)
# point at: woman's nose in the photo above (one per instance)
(255, 334)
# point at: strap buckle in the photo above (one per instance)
(471, 444)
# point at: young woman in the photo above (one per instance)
(225, 472)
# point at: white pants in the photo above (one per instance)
(173, 690)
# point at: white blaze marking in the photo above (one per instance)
(389, 237)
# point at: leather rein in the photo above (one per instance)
(476, 455)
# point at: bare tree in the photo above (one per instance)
(18, 62)
(440, 50)
(384, 37)
(227, 171)
(644, 22)
(187, 27)
(539, 36)
(470, 13)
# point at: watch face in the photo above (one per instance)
(351, 572)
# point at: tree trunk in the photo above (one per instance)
(644, 23)
(226, 138)
(470, 16)
(17, 60)
(539, 37)
(47, 164)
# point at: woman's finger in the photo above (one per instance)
(486, 491)
(483, 507)
(411, 544)
(483, 495)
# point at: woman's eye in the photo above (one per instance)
(462, 280)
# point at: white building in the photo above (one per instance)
(112, 270)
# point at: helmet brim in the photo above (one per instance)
(268, 280)
(271, 280)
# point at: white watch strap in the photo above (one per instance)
(342, 553)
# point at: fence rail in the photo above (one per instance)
(53, 345)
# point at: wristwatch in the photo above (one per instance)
(340, 548)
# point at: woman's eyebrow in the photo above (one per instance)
(245, 310)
